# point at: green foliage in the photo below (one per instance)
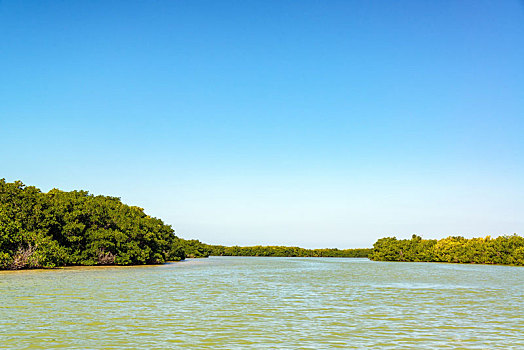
(57, 228)
(75, 228)
(504, 250)
(194, 248)
(289, 251)
(197, 249)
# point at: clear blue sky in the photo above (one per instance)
(311, 123)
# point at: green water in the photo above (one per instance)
(265, 303)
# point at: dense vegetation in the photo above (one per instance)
(506, 250)
(196, 249)
(60, 228)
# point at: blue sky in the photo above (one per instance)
(311, 123)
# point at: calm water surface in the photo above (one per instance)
(291, 303)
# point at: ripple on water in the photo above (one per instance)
(265, 303)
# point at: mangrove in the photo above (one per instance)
(58, 228)
(503, 250)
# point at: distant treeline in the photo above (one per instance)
(503, 250)
(60, 228)
(196, 249)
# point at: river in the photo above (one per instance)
(265, 303)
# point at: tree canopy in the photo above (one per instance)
(504, 250)
(61, 228)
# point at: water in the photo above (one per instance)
(283, 303)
